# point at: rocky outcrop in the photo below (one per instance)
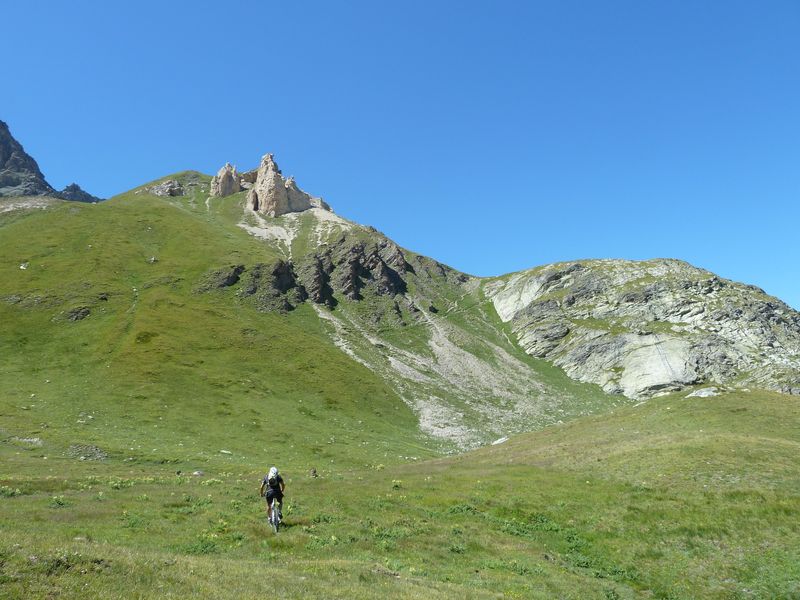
(348, 269)
(315, 273)
(247, 179)
(75, 193)
(225, 182)
(273, 287)
(268, 192)
(272, 195)
(20, 175)
(220, 278)
(170, 187)
(351, 266)
(640, 328)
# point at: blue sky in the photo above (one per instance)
(492, 136)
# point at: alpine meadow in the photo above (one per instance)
(143, 385)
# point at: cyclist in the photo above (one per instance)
(274, 486)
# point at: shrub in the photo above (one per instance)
(58, 502)
(9, 492)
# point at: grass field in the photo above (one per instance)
(677, 498)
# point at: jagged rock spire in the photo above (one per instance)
(269, 194)
(226, 181)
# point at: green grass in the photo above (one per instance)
(677, 498)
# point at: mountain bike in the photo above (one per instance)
(275, 519)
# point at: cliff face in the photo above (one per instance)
(226, 181)
(19, 173)
(639, 328)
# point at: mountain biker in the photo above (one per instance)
(274, 486)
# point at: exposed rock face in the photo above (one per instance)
(639, 328)
(79, 313)
(74, 193)
(247, 179)
(346, 269)
(272, 195)
(316, 275)
(226, 181)
(220, 278)
(350, 266)
(170, 187)
(273, 287)
(20, 175)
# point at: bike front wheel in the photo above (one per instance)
(275, 520)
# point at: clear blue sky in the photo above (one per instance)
(493, 136)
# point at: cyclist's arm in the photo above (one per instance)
(283, 486)
(261, 489)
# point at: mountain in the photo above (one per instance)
(473, 359)
(442, 435)
(20, 174)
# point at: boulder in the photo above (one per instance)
(170, 187)
(708, 392)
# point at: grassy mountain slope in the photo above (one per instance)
(153, 354)
(122, 374)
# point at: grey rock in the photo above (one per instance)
(19, 173)
(220, 278)
(708, 392)
(79, 313)
(273, 287)
(315, 273)
(86, 452)
(170, 187)
(346, 268)
(643, 328)
(74, 193)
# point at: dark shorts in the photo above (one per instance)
(271, 493)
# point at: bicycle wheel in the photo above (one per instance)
(276, 519)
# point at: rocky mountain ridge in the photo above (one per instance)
(345, 269)
(20, 174)
(642, 328)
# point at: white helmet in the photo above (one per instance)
(273, 472)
